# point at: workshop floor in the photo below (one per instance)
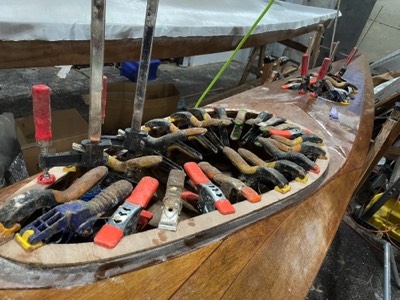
(352, 269)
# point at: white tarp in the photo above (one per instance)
(53, 20)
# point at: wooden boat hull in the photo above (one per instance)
(282, 251)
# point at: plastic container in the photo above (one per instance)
(130, 69)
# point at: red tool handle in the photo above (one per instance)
(304, 64)
(104, 97)
(195, 174)
(250, 194)
(351, 55)
(143, 192)
(284, 133)
(41, 111)
(144, 218)
(324, 68)
(189, 197)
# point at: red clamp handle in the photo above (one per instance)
(284, 133)
(304, 64)
(195, 174)
(41, 111)
(324, 68)
(189, 197)
(351, 55)
(143, 192)
(144, 218)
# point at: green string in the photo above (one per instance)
(242, 41)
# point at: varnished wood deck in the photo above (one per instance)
(277, 257)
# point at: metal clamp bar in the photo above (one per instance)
(143, 72)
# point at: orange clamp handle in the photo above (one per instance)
(143, 192)
(284, 133)
(195, 174)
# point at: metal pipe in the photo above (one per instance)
(386, 274)
(395, 271)
(96, 64)
(143, 72)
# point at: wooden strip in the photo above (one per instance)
(297, 247)
(51, 53)
(294, 45)
(58, 172)
(213, 278)
(313, 50)
(250, 61)
(389, 90)
(139, 248)
(389, 132)
(155, 282)
(385, 105)
(393, 152)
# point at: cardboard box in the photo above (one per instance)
(161, 101)
(68, 126)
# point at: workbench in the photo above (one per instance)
(50, 33)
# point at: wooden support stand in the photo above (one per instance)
(389, 133)
(315, 42)
(260, 51)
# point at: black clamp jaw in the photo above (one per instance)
(88, 154)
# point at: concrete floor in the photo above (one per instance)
(352, 268)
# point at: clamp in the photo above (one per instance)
(316, 89)
(127, 216)
(252, 133)
(288, 133)
(311, 150)
(207, 121)
(346, 62)
(141, 162)
(223, 130)
(287, 168)
(238, 124)
(140, 142)
(172, 203)
(296, 157)
(305, 78)
(271, 122)
(306, 137)
(209, 138)
(228, 183)
(255, 174)
(168, 127)
(210, 197)
(23, 205)
(73, 218)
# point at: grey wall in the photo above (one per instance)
(349, 27)
(381, 34)
(372, 25)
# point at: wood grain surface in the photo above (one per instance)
(277, 257)
(23, 54)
